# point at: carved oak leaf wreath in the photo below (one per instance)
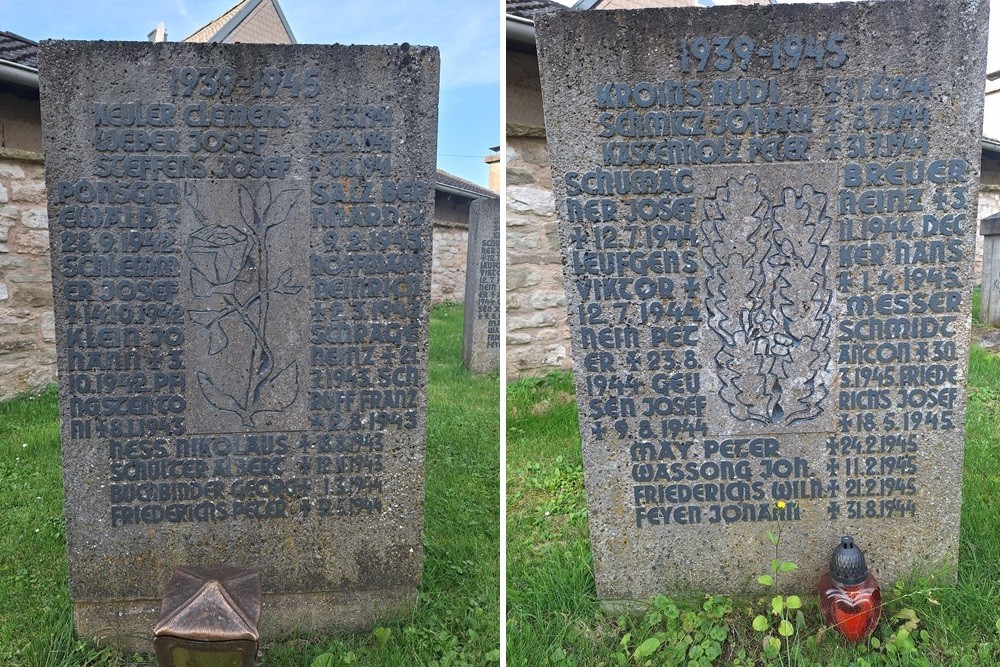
(768, 300)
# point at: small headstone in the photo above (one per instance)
(481, 327)
(767, 217)
(241, 253)
(989, 303)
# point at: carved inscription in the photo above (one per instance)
(723, 298)
(488, 296)
(246, 341)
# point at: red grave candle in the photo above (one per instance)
(849, 596)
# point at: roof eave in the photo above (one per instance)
(22, 75)
(452, 190)
(284, 22)
(520, 30)
(231, 25)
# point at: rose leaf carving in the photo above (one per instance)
(216, 396)
(280, 207)
(279, 391)
(217, 338)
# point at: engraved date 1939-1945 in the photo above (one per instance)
(224, 81)
(788, 53)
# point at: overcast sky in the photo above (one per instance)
(466, 31)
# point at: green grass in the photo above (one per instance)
(554, 617)
(456, 621)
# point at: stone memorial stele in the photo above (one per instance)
(481, 326)
(241, 242)
(767, 216)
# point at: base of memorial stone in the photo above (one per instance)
(282, 615)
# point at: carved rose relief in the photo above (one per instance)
(236, 280)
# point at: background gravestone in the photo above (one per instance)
(481, 325)
(989, 305)
(767, 218)
(241, 262)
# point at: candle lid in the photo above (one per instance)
(847, 565)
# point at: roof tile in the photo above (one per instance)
(528, 9)
(451, 180)
(208, 31)
(18, 50)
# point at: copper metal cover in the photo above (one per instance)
(211, 603)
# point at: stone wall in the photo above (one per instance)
(537, 333)
(27, 333)
(451, 244)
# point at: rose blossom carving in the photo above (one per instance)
(218, 253)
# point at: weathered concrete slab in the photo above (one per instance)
(481, 326)
(767, 217)
(241, 242)
(989, 304)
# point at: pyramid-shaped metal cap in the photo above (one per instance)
(847, 565)
(211, 603)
